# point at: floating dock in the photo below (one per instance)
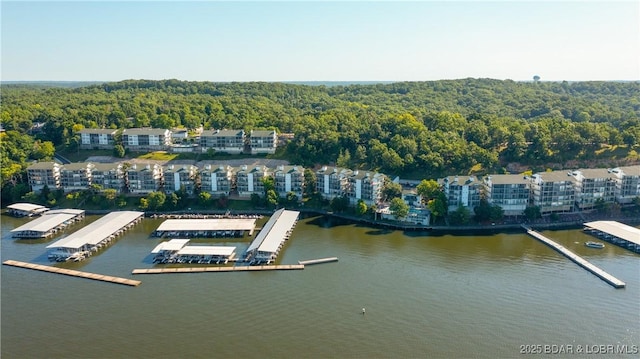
(318, 261)
(73, 273)
(218, 269)
(26, 209)
(268, 243)
(613, 281)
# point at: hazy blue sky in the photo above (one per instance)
(321, 41)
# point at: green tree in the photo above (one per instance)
(271, 198)
(118, 151)
(309, 182)
(144, 204)
(43, 150)
(399, 208)
(361, 207)
(438, 206)
(428, 189)
(339, 204)
(391, 190)
(204, 198)
(532, 212)
(110, 195)
(156, 200)
(460, 216)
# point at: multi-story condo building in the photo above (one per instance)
(511, 192)
(75, 176)
(627, 183)
(332, 182)
(144, 178)
(263, 142)
(44, 174)
(228, 141)
(553, 191)
(178, 176)
(94, 138)
(249, 180)
(461, 191)
(108, 176)
(365, 186)
(217, 180)
(593, 185)
(146, 139)
(289, 179)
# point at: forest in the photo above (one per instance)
(419, 130)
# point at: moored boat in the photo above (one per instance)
(594, 245)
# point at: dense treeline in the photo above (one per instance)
(416, 129)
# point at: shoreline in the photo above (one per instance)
(432, 230)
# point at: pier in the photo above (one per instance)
(218, 269)
(73, 273)
(613, 281)
(268, 243)
(208, 227)
(318, 261)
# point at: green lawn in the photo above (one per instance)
(158, 156)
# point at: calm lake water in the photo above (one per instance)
(425, 296)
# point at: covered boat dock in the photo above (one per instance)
(617, 233)
(267, 244)
(26, 209)
(209, 227)
(80, 244)
(48, 224)
(178, 251)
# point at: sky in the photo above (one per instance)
(319, 41)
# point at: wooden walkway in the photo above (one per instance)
(615, 282)
(318, 261)
(218, 269)
(73, 273)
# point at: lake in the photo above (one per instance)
(445, 296)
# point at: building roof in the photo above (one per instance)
(145, 131)
(222, 133)
(630, 170)
(597, 173)
(42, 166)
(461, 180)
(100, 131)
(97, 231)
(172, 245)
(274, 231)
(508, 179)
(358, 174)
(27, 207)
(210, 224)
(179, 168)
(556, 176)
(260, 133)
(74, 166)
(289, 169)
(47, 222)
(617, 229)
(105, 167)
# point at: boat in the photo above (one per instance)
(594, 245)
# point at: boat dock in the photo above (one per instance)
(267, 244)
(613, 281)
(48, 224)
(208, 227)
(615, 232)
(318, 261)
(73, 273)
(82, 243)
(218, 269)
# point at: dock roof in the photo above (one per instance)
(617, 229)
(274, 231)
(97, 231)
(210, 224)
(27, 207)
(171, 245)
(47, 222)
